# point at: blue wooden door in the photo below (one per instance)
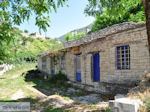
(78, 68)
(96, 67)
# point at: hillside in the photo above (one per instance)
(21, 48)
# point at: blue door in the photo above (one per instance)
(96, 67)
(78, 68)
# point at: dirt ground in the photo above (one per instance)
(22, 84)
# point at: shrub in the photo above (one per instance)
(33, 74)
(59, 77)
(108, 110)
(71, 37)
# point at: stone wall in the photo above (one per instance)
(49, 67)
(44, 69)
(140, 61)
(105, 42)
(70, 67)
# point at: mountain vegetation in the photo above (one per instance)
(77, 36)
(20, 48)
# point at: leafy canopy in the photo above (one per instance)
(18, 11)
(109, 12)
(15, 12)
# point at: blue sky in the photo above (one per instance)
(64, 20)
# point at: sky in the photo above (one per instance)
(64, 20)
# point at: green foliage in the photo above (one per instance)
(7, 84)
(18, 11)
(14, 47)
(8, 38)
(19, 48)
(71, 36)
(37, 46)
(93, 8)
(51, 109)
(58, 77)
(115, 11)
(103, 21)
(108, 110)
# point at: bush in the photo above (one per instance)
(33, 74)
(59, 77)
(71, 37)
(108, 110)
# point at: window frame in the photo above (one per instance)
(124, 59)
(62, 62)
(44, 63)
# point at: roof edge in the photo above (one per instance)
(104, 32)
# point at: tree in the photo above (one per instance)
(147, 13)
(14, 12)
(17, 11)
(123, 12)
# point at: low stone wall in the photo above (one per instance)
(104, 88)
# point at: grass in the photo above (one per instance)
(16, 79)
(108, 110)
(13, 80)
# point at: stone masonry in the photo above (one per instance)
(105, 42)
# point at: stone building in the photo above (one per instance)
(37, 36)
(114, 57)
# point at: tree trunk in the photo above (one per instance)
(147, 13)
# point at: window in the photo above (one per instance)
(123, 57)
(43, 63)
(62, 62)
(52, 63)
